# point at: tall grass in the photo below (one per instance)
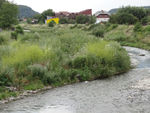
(57, 56)
(23, 56)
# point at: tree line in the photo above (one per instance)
(131, 15)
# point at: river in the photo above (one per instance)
(126, 93)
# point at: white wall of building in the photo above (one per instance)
(99, 20)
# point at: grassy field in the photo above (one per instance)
(56, 56)
(126, 35)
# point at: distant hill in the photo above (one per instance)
(112, 11)
(25, 11)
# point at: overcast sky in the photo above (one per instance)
(78, 5)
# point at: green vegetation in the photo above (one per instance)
(51, 24)
(84, 19)
(130, 15)
(136, 36)
(8, 14)
(57, 56)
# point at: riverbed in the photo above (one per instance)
(126, 93)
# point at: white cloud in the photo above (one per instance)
(77, 5)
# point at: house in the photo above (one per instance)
(49, 19)
(102, 16)
(73, 15)
(62, 14)
(34, 21)
(87, 12)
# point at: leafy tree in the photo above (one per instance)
(130, 15)
(138, 27)
(46, 13)
(92, 19)
(138, 12)
(1, 2)
(82, 19)
(144, 21)
(8, 14)
(123, 18)
(63, 21)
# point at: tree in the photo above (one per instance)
(92, 19)
(138, 12)
(82, 19)
(46, 13)
(137, 27)
(130, 15)
(125, 18)
(63, 21)
(8, 14)
(1, 2)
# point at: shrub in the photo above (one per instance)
(51, 24)
(2, 39)
(102, 59)
(37, 70)
(125, 18)
(138, 27)
(19, 30)
(14, 35)
(138, 12)
(63, 21)
(98, 32)
(110, 27)
(144, 21)
(82, 19)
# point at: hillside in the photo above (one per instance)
(25, 11)
(112, 11)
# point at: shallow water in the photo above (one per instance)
(127, 93)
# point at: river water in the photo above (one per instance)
(126, 93)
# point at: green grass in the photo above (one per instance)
(58, 56)
(126, 36)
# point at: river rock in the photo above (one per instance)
(142, 55)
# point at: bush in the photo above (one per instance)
(125, 18)
(37, 71)
(19, 30)
(144, 21)
(98, 32)
(110, 27)
(51, 24)
(138, 27)
(14, 35)
(138, 12)
(2, 39)
(82, 19)
(102, 59)
(63, 21)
